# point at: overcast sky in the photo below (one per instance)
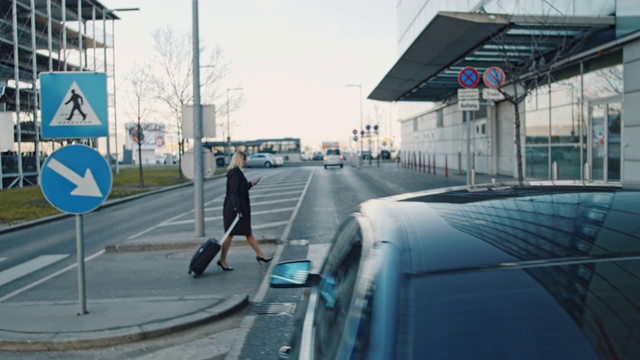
(293, 59)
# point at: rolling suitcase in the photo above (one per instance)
(207, 251)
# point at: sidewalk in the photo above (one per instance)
(153, 296)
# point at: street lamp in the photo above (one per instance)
(113, 52)
(228, 147)
(360, 87)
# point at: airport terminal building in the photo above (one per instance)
(570, 73)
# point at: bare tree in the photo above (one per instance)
(531, 59)
(175, 84)
(142, 94)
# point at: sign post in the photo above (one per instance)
(75, 179)
(469, 78)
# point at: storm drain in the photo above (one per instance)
(274, 308)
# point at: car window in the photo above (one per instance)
(573, 311)
(338, 279)
(333, 152)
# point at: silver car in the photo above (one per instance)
(262, 160)
(333, 157)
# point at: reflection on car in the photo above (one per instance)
(539, 270)
(266, 160)
(537, 155)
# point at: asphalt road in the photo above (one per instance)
(301, 205)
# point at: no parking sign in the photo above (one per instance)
(493, 77)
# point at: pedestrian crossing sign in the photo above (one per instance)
(74, 105)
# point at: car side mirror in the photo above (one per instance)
(293, 274)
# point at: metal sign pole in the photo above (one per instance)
(80, 251)
(468, 117)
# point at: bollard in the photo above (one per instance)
(473, 176)
(434, 164)
(429, 162)
(554, 171)
(446, 166)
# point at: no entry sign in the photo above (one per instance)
(468, 77)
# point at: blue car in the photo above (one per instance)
(536, 271)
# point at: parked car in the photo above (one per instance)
(385, 155)
(541, 271)
(263, 160)
(317, 155)
(366, 154)
(333, 157)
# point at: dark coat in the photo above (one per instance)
(236, 200)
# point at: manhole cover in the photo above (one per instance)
(274, 308)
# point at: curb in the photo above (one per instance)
(132, 333)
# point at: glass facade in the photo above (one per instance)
(557, 128)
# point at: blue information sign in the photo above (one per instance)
(74, 105)
(75, 179)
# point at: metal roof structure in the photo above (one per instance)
(429, 68)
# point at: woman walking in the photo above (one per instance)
(236, 203)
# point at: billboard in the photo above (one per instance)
(150, 136)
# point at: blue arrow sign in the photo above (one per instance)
(74, 105)
(75, 179)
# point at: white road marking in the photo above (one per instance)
(214, 218)
(2, 259)
(19, 291)
(28, 267)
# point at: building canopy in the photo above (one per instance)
(429, 68)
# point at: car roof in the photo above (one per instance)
(469, 229)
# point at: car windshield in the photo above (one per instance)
(333, 152)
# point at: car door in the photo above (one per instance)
(254, 160)
(335, 292)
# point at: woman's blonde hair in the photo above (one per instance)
(237, 161)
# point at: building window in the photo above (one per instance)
(439, 118)
(415, 124)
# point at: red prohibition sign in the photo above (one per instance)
(468, 77)
(493, 77)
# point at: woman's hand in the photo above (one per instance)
(239, 214)
(255, 182)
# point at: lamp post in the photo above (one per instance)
(104, 46)
(360, 87)
(228, 143)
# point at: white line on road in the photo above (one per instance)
(2, 259)
(28, 267)
(19, 291)
(214, 218)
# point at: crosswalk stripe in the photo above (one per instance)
(28, 267)
(212, 218)
(2, 259)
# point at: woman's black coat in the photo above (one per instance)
(237, 200)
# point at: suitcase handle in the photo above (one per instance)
(233, 224)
